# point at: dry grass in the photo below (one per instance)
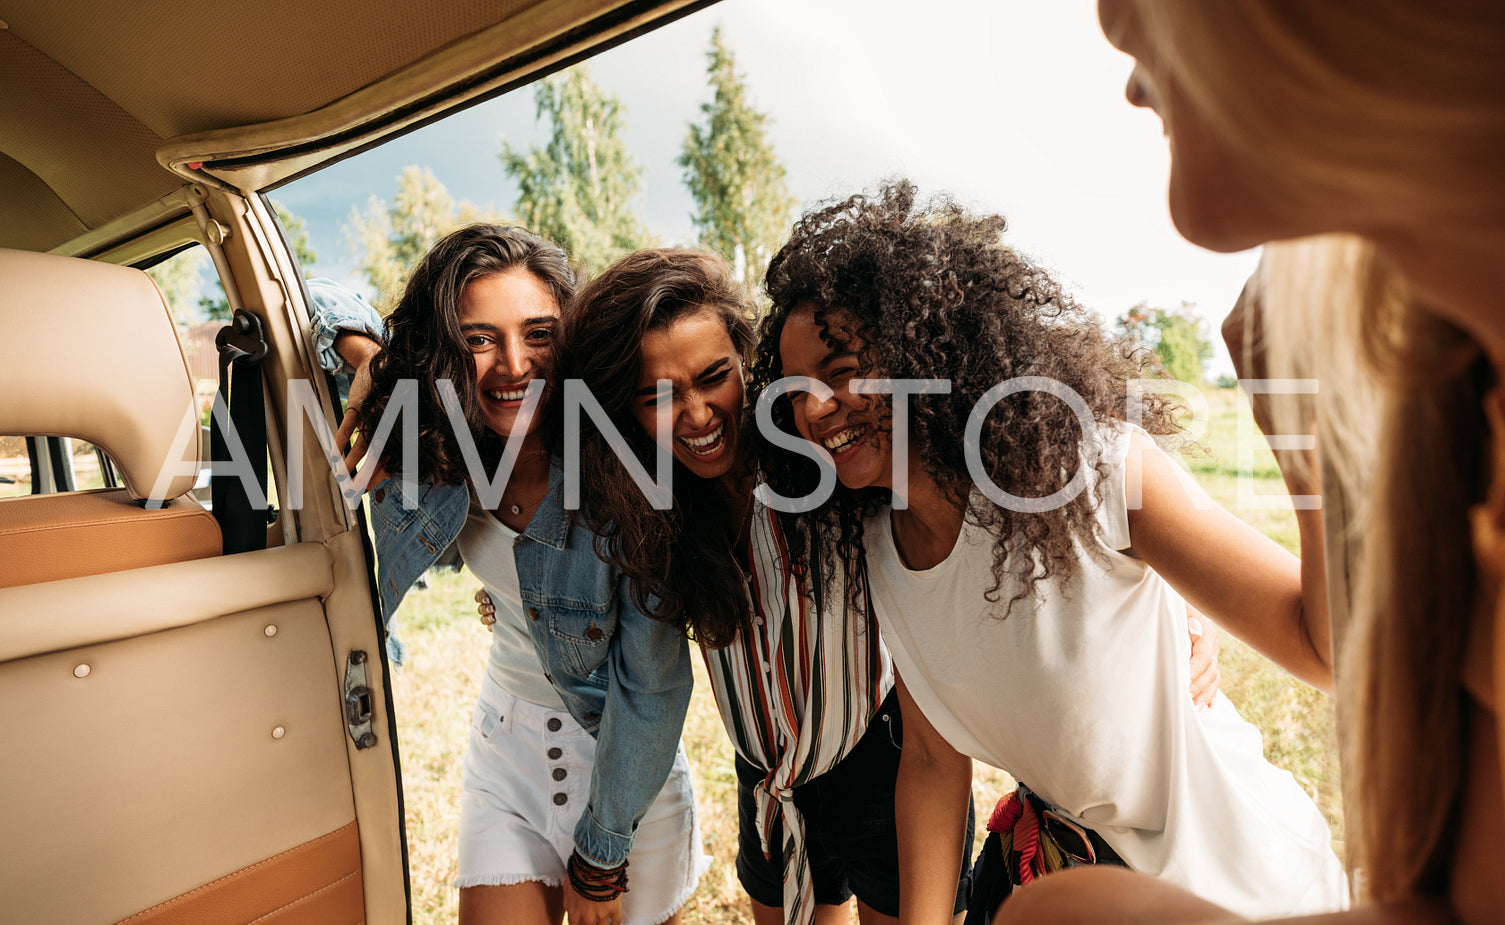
(447, 646)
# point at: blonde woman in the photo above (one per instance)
(1384, 120)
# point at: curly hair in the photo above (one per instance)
(680, 563)
(928, 291)
(424, 342)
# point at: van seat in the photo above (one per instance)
(91, 351)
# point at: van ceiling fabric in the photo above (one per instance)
(179, 69)
(90, 89)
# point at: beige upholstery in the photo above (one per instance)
(141, 602)
(90, 350)
(154, 765)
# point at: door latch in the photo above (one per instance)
(359, 705)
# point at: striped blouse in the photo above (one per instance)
(796, 693)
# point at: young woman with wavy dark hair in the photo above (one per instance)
(1030, 579)
(573, 772)
(618, 329)
(804, 693)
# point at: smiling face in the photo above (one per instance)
(1221, 196)
(509, 322)
(850, 427)
(696, 354)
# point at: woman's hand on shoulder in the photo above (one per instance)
(1205, 674)
(486, 609)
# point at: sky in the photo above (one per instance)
(1009, 106)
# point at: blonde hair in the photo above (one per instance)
(1373, 113)
(1400, 423)
(1366, 107)
(1317, 310)
(1404, 688)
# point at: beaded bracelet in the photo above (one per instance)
(594, 883)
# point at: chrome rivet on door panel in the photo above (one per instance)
(271, 629)
(81, 671)
(279, 732)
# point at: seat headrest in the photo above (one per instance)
(90, 350)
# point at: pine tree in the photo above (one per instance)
(577, 190)
(743, 205)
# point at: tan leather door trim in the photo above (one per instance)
(316, 883)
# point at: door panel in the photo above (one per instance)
(160, 735)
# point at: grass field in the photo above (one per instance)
(436, 690)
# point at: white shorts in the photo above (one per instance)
(526, 782)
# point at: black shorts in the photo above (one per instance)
(849, 826)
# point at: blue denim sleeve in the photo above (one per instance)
(337, 310)
(644, 714)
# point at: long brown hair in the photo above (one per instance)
(424, 342)
(1365, 112)
(680, 563)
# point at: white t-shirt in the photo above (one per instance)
(1082, 694)
(512, 663)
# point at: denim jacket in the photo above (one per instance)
(623, 676)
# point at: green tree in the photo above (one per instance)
(178, 278)
(1178, 336)
(391, 239)
(296, 230)
(577, 190)
(742, 204)
(215, 307)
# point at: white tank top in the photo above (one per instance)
(1082, 695)
(486, 543)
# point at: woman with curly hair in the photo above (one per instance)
(1028, 552)
(574, 770)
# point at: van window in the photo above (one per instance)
(37, 465)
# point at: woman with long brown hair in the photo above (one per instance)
(660, 339)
